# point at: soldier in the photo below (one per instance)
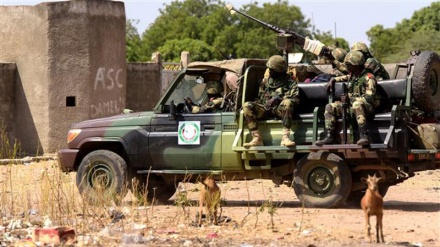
(339, 71)
(339, 68)
(278, 96)
(371, 63)
(361, 99)
(215, 99)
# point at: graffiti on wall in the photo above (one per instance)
(107, 108)
(107, 83)
(108, 79)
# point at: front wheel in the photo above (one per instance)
(322, 180)
(102, 177)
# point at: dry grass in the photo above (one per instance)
(39, 194)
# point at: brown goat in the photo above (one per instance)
(372, 204)
(210, 197)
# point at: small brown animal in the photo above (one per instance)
(210, 198)
(372, 204)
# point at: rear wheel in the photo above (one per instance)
(101, 177)
(426, 81)
(322, 180)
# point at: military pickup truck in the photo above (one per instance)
(153, 151)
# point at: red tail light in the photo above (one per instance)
(411, 157)
(437, 156)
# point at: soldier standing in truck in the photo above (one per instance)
(361, 99)
(278, 96)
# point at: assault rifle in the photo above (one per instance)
(286, 37)
(345, 114)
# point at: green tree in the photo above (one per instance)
(199, 50)
(182, 20)
(209, 21)
(419, 32)
(133, 41)
(208, 24)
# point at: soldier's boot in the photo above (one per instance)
(363, 136)
(329, 138)
(256, 140)
(285, 141)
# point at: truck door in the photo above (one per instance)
(190, 141)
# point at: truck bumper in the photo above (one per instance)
(67, 159)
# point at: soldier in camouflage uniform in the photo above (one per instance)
(371, 63)
(215, 99)
(339, 68)
(361, 99)
(278, 96)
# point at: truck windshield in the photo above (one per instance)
(190, 86)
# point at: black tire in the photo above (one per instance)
(322, 180)
(102, 177)
(383, 189)
(426, 81)
(158, 190)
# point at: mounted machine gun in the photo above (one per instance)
(287, 38)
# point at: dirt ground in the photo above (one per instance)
(411, 218)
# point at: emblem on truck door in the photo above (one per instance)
(189, 133)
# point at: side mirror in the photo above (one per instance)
(173, 110)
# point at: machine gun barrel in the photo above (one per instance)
(298, 38)
(288, 36)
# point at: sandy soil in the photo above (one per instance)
(411, 217)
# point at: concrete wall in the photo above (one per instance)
(24, 42)
(147, 82)
(143, 85)
(70, 58)
(86, 63)
(8, 77)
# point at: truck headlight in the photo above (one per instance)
(73, 133)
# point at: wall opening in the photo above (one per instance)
(70, 101)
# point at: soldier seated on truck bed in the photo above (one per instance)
(372, 63)
(361, 99)
(277, 96)
(338, 65)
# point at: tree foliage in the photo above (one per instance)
(207, 30)
(132, 41)
(422, 32)
(200, 51)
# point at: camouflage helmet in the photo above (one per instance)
(277, 63)
(339, 54)
(341, 67)
(214, 87)
(360, 46)
(372, 64)
(354, 58)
